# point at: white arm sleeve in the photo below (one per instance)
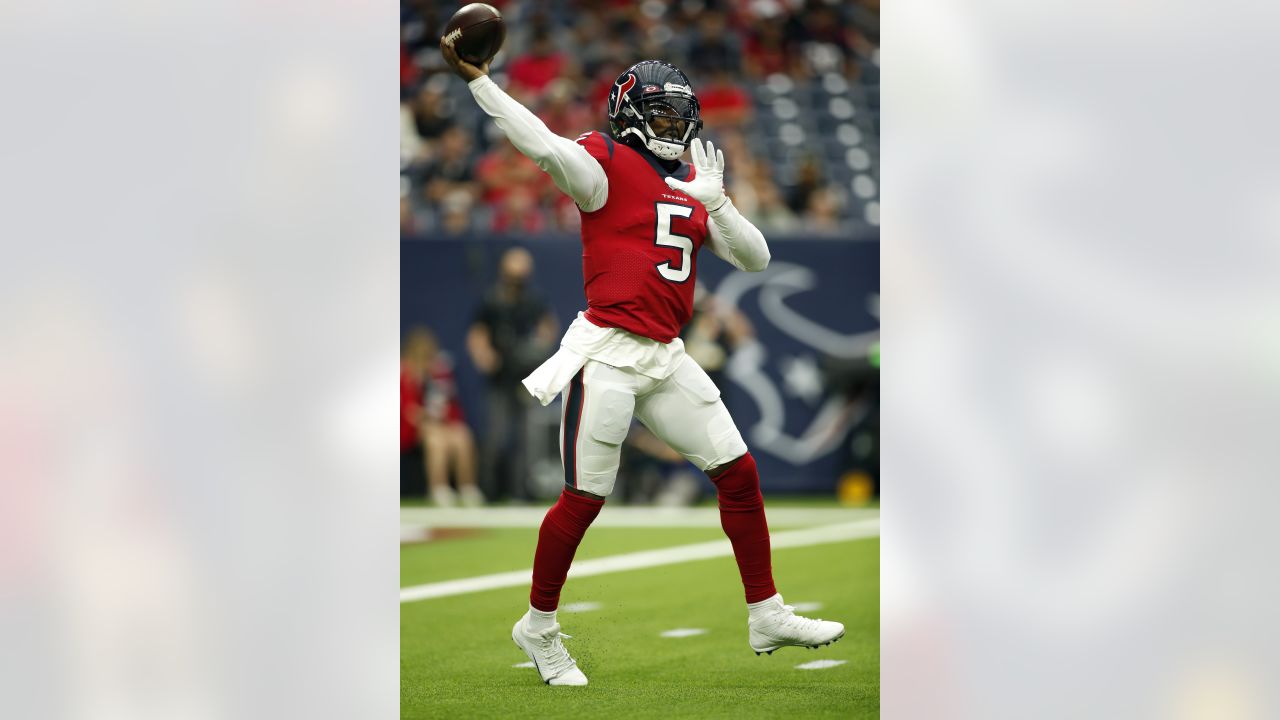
(569, 164)
(735, 239)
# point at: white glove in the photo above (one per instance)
(707, 186)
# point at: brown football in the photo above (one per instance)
(477, 32)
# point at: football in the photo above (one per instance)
(477, 32)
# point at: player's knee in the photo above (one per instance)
(584, 493)
(726, 442)
(718, 467)
(729, 449)
(580, 508)
(598, 468)
(738, 484)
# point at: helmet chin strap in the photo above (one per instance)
(663, 149)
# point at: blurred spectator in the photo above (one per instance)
(504, 169)
(768, 52)
(513, 332)
(616, 57)
(734, 144)
(563, 113)
(519, 213)
(823, 212)
(588, 39)
(450, 171)
(446, 438)
(408, 225)
(808, 180)
(769, 212)
(865, 20)
(409, 72)
(531, 72)
(724, 103)
(760, 194)
(823, 37)
(413, 380)
(412, 146)
(713, 47)
(455, 213)
(433, 111)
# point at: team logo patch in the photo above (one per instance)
(651, 88)
(621, 89)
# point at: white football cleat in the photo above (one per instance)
(554, 663)
(780, 626)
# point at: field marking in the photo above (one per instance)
(577, 607)
(414, 534)
(531, 517)
(820, 664)
(645, 559)
(683, 632)
(525, 664)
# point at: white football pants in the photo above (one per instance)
(684, 411)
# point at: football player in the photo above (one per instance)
(645, 215)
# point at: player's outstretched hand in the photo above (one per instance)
(464, 69)
(707, 186)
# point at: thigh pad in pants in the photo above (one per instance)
(592, 442)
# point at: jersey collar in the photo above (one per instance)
(681, 172)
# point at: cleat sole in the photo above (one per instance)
(811, 647)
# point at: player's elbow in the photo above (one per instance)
(757, 262)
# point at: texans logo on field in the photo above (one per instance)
(798, 420)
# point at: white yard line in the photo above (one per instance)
(646, 559)
(683, 632)
(820, 664)
(531, 517)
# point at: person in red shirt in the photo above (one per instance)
(413, 378)
(449, 444)
(431, 415)
(725, 103)
(645, 215)
(531, 72)
(502, 171)
(768, 51)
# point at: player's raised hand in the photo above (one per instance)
(464, 69)
(707, 186)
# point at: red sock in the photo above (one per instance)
(742, 517)
(562, 529)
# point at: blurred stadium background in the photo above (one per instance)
(490, 265)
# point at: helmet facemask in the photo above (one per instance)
(666, 123)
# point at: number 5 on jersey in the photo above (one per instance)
(666, 238)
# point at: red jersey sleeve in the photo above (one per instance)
(599, 146)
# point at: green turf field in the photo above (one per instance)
(457, 654)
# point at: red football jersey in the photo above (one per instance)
(640, 251)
